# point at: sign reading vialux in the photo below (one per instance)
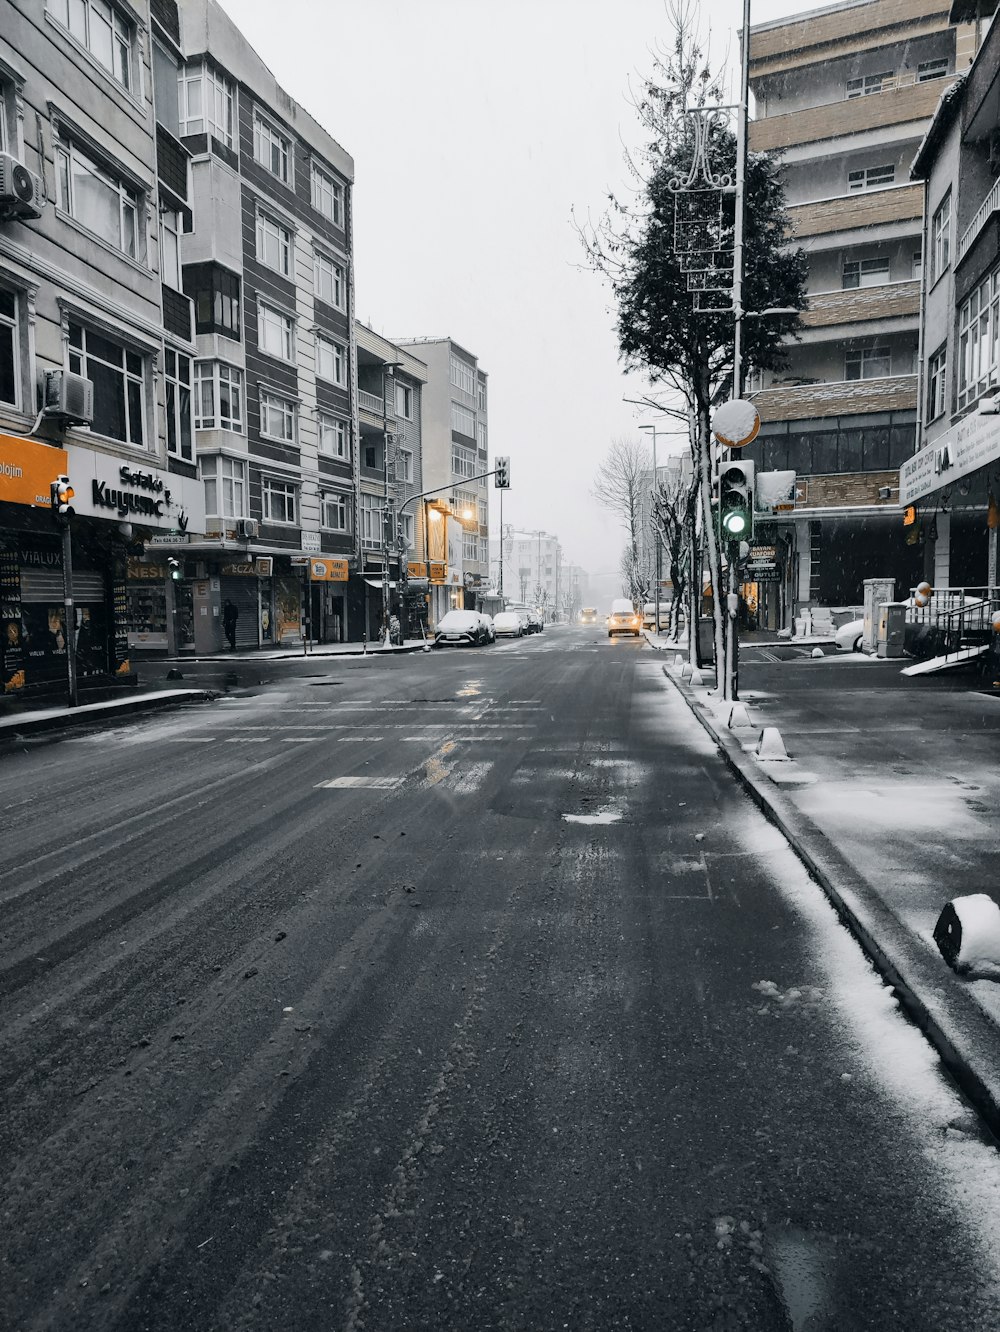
(736, 423)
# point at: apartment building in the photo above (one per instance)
(453, 528)
(390, 459)
(845, 94)
(533, 572)
(95, 337)
(953, 481)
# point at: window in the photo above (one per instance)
(867, 363)
(170, 248)
(463, 461)
(97, 199)
(119, 378)
(481, 436)
(107, 34)
(371, 457)
(463, 420)
(225, 487)
(484, 550)
(941, 238)
(278, 500)
(918, 265)
(329, 280)
(10, 355)
(275, 332)
(7, 139)
(484, 513)
(871, 178)
(327, 195)
(177, 381)
(331, 361)
(470, 547)
(931, 69)
(937, 373)
(406, 528)
(371, 520)
(218, 396)
(334, 440)
(482, 395)
(463, 376)
(405, 472)
(206, 103)
(277, 417)
(871, 83)
(270, 148)
(274, 244)
(215, 292)
(978, 337)
(336, 513)
(865, 272)
(404, 401)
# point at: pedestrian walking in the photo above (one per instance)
(230, 614)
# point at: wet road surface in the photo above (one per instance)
(458, 991)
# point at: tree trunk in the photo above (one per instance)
(711, 542)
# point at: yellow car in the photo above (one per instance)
(624, 619)
(588, 615)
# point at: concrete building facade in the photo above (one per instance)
(845, 94)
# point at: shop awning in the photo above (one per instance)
(377, 583)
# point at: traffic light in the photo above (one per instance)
(174, 565)
(736, 501)
(501, 476)
(61, 497)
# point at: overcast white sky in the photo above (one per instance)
(476, 126)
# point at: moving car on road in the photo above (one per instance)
(588, 615)
(507, 625)
(623, 618)
(536, 622)
(458, 626)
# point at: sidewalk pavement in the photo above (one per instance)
(17, 725)
(296, 654)
(889, 795)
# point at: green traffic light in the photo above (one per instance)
(735, 523)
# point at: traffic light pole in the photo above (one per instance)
(69, 621)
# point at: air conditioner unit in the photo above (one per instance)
(70, 397)
(22, 193)
(247, 528)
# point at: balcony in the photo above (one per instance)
(841, 30)
(860, 305)
(897, 104)
(800, 402)
(375, 405)
(861, 209)
(989, 206)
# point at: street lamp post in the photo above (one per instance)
(657, 563)
(388, 381)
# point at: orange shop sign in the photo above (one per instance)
(27, 470)
(328, 571)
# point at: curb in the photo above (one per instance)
(15, 727)
(965, 1037)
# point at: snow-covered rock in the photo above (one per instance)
(968, 935)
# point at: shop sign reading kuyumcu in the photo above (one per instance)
(107, 487)
(27, 470)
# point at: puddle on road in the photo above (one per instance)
(802, 1268)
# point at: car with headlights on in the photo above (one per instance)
(624, 619)
(456, 627)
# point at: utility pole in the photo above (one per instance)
(388, 381)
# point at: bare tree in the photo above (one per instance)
(675, 504)
(619, 485)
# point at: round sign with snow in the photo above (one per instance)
(736, 423)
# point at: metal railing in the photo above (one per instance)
(986, 209)
(375, 403)
(955, 618)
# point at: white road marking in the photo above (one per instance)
(358, 739)
(358, 783)
(248, 739)
(300, 739)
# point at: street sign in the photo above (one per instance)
(736, 423)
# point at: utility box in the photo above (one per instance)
(891, 628)
(706, 641)
(878, 592)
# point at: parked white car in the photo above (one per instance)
(460, 626)
(848, 636)
(508, 625)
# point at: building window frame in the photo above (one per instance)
(331, 360)
(271, 148)
(278, 417)
(463, 420)
(178, 404)
(327, 193)
(406, 466)
(275, 243)
(979, 340)
(279, 500)
(335, 512)
(224, 480)
(941, 238)
(275, 332)
(210, 109)
(371, 518)
(108, 36)
(407, 530)
(859, 273)
(868, 362)
(463, 461)
(218, 397)
(128, 379)
(869, 84)
(937, 383)
(932, 69)
(872, 178)
(328, 279)
(170, 248)
(334, 437)
(125, 218)
(404, 401)
(11, 317)
(462, 375)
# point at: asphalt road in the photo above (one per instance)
(456, 991)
